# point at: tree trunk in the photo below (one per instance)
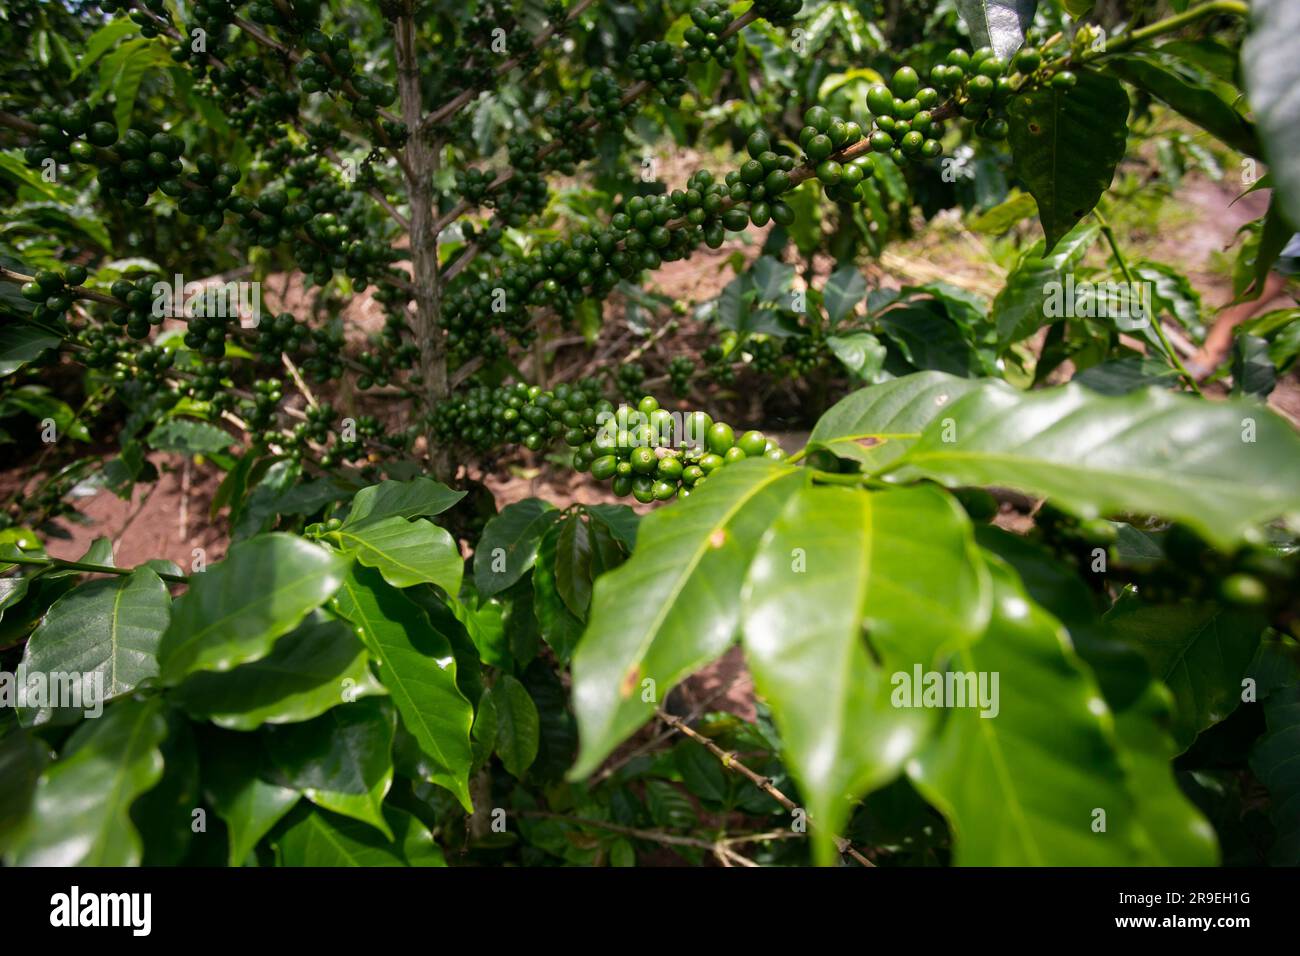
(422, 164)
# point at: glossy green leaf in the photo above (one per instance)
(1185, 87)
(517, 725)
(509, 544)
(321, 839)
(1026, 786)
(559, 626)
(1220, 467)
(1275, 762)
(573, 564)
(622, 521)
(236, 609)
(1065, 145)
(20, 344)
(106, 630)
(861, 353)
(1034, 293)
(81, 812)
(672, 607)
(405, 552)
(341, 761)
(1200, 650)
(22, 758)
(1004, 215)
(841, 594)
(875, 425)
(1000, 24)
(249, 804)
(844, 289)
(417, 665)
(1272, 72)
(188, 437)
(319, 665)
(1177, 833)
(418, 498)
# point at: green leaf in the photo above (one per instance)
(1272, 72)
(559, 626)
(105, 630)
(249, 804)
(1000, 24)
(319, 665)
(1201, 651)
(102, 40)
(1252, 369)
(861, 353)
(623, 522)
(1220, 467)
(688, 567)
(405, 552)
(875, 425)
(1121, 376)
(22, 758)
(1197, 95)
(841, 592)
(509, 544)
(483, 735)
(417, 665)
(188, 437)
(1037, 281)
(573, 565)
(1065, 145)
(1023, 787)
(341, 761)
(81, 812)
(517, 725)
(1274, 762)
(1178, 834)
(234, 611)
(929, 338)
(20, 344)
(844, 289)
(1004, 215)
(418, 498)
(122, 71)
(320, 839)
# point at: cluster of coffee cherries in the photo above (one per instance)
(147, 18)
(983, 82)
(662, 66)
(903, 123)
(485, 418)
(605, 97)
(680, 372)
(628, 378)
(654, 455)
(644, 450)
(143, 160)
(52, 292)
(760, 181)
(704, 36)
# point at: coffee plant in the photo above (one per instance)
(1014, 492)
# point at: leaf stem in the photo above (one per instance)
(84, 566)
(1168, 347)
